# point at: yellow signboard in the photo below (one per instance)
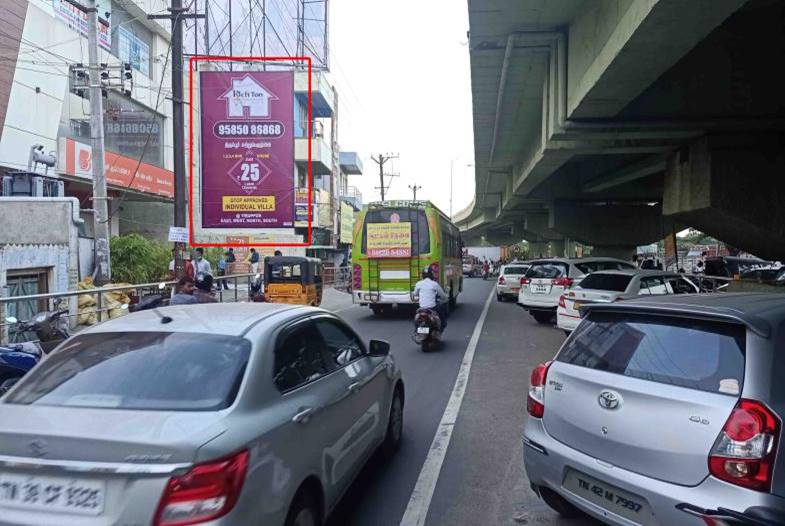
(389, 240)
(347, 223)
(248, 203)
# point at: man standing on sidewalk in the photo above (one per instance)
(222, 272)
(200, 264)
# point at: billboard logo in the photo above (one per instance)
(247, 98)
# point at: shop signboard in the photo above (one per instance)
(247, 149)
(347, 223)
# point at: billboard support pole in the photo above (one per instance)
(176, 15)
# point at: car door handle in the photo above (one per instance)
(354, 388)
(304, 415)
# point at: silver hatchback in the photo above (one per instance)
(665, 410)
(219, 413)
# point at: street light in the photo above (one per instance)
(452, 161)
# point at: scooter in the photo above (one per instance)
(50, 328)
(427, 329)
(16, 360)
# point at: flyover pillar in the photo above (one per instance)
(732, 188)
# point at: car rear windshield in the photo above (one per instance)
(157, 371)
(593, 266)
(614, 282)
(514, 270)
(697, 354)
(547, 269)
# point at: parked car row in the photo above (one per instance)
(663, 411)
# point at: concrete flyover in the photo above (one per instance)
(614, 122)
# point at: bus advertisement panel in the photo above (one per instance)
(389, 240)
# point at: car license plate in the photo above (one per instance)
(423, 330)
(611, 498)
(539, 289)
(51, 494)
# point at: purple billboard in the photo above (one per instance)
(247, 149)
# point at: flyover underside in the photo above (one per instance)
(580, 126)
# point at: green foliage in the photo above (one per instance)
(137, 259)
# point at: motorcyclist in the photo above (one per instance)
(204, 286)
(432, 296)
(485, 269)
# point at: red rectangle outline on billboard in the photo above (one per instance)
(220, 58)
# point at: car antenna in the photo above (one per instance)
(164, 318)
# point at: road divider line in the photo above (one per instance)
(420, 500)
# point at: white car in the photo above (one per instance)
(613, 285)
(547, 279)
(509, 283)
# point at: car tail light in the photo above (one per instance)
(501, 280)
(357, 277)
(534, 402)
(208, 491)
(561, 302)
(562, 282)
(744, 452)
(525, 281)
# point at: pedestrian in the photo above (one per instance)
(184, 292)
(189, 268)
(278, 253)
(204, 287)
(222, 272)
(201, 265)
(253, 259)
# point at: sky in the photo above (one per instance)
(401, 69)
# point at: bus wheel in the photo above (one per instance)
(377, 310)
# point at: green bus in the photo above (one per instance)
(393, 241)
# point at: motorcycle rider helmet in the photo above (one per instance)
(204, 281)
(427, 272)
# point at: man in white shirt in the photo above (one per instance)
(200, 264)
(431, 295)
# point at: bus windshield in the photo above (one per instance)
(407, 215)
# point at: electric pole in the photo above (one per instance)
(414, 191)
(176, 15)
(381, 159)
(103, 270)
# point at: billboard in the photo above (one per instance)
(389, 240)
(247, 149)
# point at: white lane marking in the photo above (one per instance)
(420, 500)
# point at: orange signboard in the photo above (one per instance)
(119, 170)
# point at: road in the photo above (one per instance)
(482, 480)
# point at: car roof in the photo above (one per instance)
(637, 272)
(760, 312)
(230, 319)
(576, 260)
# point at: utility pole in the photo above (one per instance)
(414, 191)
(381, 159)
(176, 15)
(103, 270)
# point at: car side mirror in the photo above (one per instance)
(379, 348)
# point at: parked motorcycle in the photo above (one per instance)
(16, 360)
(50, 327)
(427, 329)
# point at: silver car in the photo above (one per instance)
(222, 414)
(664, 411)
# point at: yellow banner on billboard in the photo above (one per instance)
(389, 240)
(347, 223)
(248, 203)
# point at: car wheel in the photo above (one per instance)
(499, 297)
(560, 505)
(392, 440)
(304, 511)
(542, 317)
(377, 311)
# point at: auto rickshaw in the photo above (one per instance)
(293, 279)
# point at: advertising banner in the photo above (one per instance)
(301, 208)
(347, 223)
(247, 149)
(389, 240)
(77, 20)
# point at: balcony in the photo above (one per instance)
(351, 163)
(321, 92)
(353, 197)
(321, 151)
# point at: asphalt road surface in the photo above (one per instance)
(482, 480)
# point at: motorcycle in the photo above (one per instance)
(50, 327)
(16, 360)
(255, 292)
(427, 329)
